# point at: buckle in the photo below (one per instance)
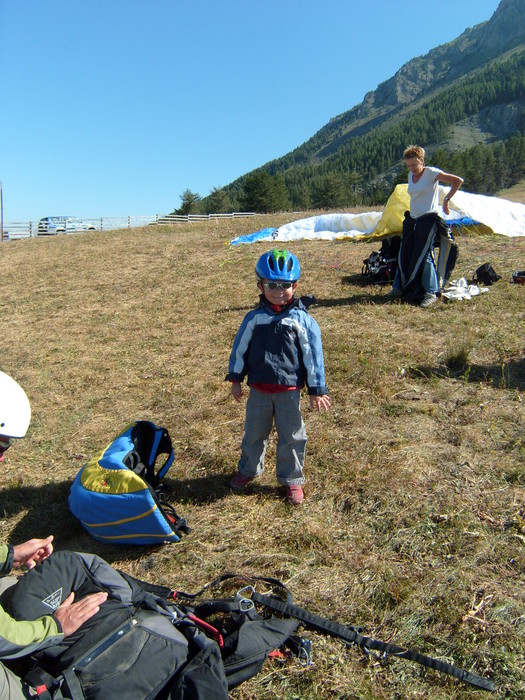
(245, 604)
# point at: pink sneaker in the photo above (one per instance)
(294, 494)
(240, 482)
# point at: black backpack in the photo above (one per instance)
(381, 265)
(142, 644)
(486, 275)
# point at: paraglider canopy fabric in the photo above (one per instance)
(479, 212)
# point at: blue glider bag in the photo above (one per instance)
(117, 495)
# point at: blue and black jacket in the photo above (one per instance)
(279, 347)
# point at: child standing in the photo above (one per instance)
(278, 347)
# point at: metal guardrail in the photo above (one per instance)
(29, 229)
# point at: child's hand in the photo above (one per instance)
(236, 390)
(320, 402)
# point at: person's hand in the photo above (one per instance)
(32, 552)
(236, 390)
(72, 615)
(320, 402)
(445, 207)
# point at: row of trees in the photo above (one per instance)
(332, 170)
(486, 169)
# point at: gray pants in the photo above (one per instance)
(11, 686)
(262, 410)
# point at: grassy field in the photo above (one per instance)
(413, 526)
(516, 193)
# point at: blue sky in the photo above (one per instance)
(115, 107)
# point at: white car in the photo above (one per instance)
(51, 225)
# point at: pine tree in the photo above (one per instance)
(189, 203)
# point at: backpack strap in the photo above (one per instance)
(352, 636)
(49, 687)
(150, 441)
(72, 684)
(155, 589)
(42, 682)
(161, 445)
(178, 524)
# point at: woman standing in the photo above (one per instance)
(416, 275)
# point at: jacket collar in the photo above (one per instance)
(300, 303)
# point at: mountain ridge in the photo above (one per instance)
(476, 46)
(461, 94)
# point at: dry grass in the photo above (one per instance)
(516, 193)
(411, 525)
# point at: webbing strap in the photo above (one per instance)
(41, 681)
(347, 634)
(275, 583)
(161, 443)
(73, 684)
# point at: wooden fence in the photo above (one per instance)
(29, 229)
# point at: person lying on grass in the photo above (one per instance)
(19, 638)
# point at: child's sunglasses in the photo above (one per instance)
(274, 285)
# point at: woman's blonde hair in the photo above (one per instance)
(414, 152)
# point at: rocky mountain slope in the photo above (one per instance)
(438, 70)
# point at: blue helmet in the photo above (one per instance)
(278, 265)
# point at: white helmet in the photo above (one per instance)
(15, 410)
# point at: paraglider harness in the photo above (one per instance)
(230, 638)
(420, 237)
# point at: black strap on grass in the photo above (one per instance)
(347, 634)
(351, 636)
(248, 580)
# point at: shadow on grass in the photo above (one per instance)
(359, 281)
(353, 300)
(507, 375)
(46, 512)
(351, 280)
(208, 489)
(363, 283)
(43, 510)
